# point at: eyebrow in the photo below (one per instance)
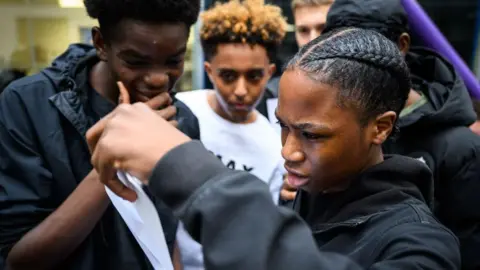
(180, 52)
(307, 125)
(136, 54)
(132, 53)
(310, 25)
(236, 70)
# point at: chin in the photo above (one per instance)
(237, 119)
(239, 116)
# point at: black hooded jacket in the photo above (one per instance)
(438, 133)
(44, 156)
(380, 221)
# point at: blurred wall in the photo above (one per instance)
(33, 34)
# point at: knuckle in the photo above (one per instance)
(122, 108)
(173, 109)
(88, 135)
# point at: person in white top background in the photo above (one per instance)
(239, 40)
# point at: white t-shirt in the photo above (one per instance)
(253, 147)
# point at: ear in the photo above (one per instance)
(271, 70)
(404, 43)
(383, 127)
(99, 43)
(208, 69)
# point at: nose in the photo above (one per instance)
(314, 34)
(241, 89)
(157, 79)
(292, 151)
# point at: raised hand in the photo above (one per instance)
(133, 138)
(161, 103)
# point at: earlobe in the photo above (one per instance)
(208, 70)
(207, 67)
(383, 127)
(272, 69)
(404, 43)
(99, 43)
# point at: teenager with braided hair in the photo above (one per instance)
(435, 124)
(339, 100)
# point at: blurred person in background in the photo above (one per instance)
(239, 40)
(434, 124)
(310, 17)
(54, 213)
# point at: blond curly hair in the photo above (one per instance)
(249, 22)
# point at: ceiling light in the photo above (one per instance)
(70, 3)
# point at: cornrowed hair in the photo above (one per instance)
(367, 69)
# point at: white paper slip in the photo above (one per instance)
(142, 219)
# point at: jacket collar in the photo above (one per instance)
(71, 101)
(391, 182)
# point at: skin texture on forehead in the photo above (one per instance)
(320, 139)
(239, 73)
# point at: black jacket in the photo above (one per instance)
(44, 156)
(380, 222)
(271, 91)
(438, 133)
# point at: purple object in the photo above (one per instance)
(423, 26)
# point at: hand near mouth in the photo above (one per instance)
(162, 103)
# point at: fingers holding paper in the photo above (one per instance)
(132, 139)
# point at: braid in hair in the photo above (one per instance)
(367, 68)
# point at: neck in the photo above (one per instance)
(375, 157)
(103, 82)
(218, 109)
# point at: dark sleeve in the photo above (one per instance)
(420, 245)
(462, 210)
(187, 121)
(25, 183)
(231, 213)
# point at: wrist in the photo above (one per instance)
(98, 188)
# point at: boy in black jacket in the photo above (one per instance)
(339, 100)
(54, 214)
(434, 125)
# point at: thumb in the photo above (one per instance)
(124, 97)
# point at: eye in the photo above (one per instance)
(312, 136)
(302, 30)
(255, 76)
(228, 76)
(175, 61)
(282, 125)
(135, 63)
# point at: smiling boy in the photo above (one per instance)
(53, 211)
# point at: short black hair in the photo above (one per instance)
(367, 68)
(387, 17)
(110, 12)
